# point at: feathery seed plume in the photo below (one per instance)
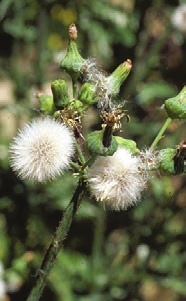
(41, 150)
(116, 181)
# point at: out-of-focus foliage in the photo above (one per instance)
(138, 254)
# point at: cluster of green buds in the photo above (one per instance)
(96, 89)
(102, 91)
(117, 171)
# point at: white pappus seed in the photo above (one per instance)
(42, 150)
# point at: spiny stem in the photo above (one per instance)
(161, 132)
(57, 242)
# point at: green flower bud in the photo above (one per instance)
(46, 103)
(127, 144)
(87, 94)
(60, 93)
(115, 80)
(176, 106)
(73, 61)
(95, 144)
(166, 162)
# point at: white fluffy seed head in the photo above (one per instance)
(42, 150)
(116, 181)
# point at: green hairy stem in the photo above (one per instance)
(161, 132)
(57, 242)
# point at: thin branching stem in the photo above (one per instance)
(161, 132)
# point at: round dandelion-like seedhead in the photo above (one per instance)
(116, 181)
(42, 150)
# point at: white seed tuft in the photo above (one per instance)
(116, 181)
(42, 150)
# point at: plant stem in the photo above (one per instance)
(99, 225)
(80, 154)
(89, 162)
(75, 166)
(57, 242)
(74, 88)
(161, 132)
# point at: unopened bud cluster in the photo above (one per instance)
(118, 175)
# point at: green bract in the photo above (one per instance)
(127, 144)
(176, 106)
(76, 106)
(95, 144)
(115, 80)
(87, 94)
(73, 61)
(60, 93)
(46, 103)
(167, 160)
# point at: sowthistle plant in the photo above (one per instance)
(117, 172)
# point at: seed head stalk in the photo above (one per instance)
(74, 88)
(57, 242)
(59, 236)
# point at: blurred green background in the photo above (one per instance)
(138, 254)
